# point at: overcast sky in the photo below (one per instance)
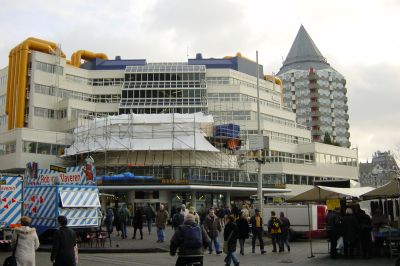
(359, 39)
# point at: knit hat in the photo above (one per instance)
(189, 218)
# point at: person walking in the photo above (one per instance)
(274, 229)
(350, 232)
(26, 242)
(161, 221)
(244, 229)
(365, 234)
(177, 219)
(191, 240)
(184, 211)
(109, 221)
(202, 213)
(196, 216)
(64, 242)
(212, 226)
(256, 222)
(123, 215)
(231, 233)
(333, 223)
(150, 215)
(117, 222)
(138, 222)
(285, 228)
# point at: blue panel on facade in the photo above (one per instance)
(99, 64)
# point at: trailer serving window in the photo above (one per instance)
(79, 199)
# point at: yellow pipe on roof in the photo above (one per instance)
(238, 54)
(16, 82)
(273, 79)
(85, 55)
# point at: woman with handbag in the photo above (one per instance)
(231, 233)
(26, 243)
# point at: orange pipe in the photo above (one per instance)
(23, 72)
(273, 79)
(85, 55)
(11, 88)
(16, 82)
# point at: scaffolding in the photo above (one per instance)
(161, 145)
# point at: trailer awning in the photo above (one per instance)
(79, 199)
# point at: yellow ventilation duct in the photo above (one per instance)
(17, 77)
(238, 54)
(273, 79)
(85, 55)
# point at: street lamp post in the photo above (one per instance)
(260, 195)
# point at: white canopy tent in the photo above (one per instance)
(322, 193)
(389, 190)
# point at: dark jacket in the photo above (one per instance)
(253, 224)
(231, 228)
(138, 219)
(285, 225)
(177, 219)
(350, 228)
(62, 251)
(177, 241)
(243, 227)
(149, 212)
(212, 226)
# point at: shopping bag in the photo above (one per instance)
(10, 261)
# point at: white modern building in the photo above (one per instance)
(62, 97)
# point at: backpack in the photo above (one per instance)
(276, 224)
(192, 236)
(177, 219)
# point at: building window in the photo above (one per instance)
(7, 148)
(49, 68)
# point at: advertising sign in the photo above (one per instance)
(80, 175)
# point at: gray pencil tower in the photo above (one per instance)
(315, 91)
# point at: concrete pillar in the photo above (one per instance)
(131, 198)
(228, 199)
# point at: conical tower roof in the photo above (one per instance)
(304, 53)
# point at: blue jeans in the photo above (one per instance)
(285, 241)
(123, 230)
(231, 256)
(149, 224)
(160, 234)
(216, 244)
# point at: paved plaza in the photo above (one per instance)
(149, 253)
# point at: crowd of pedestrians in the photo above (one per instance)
(234, 226)
(214, 229)
(351, 229)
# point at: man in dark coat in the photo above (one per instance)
(150, 215)
(350, 232)
(138, 222)
(212, 225)
(257, 230)
(333, 227)
(231, 233)
(62, 252)
(191, 240)
(365, 233)
(285, 227)
(244, 229)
